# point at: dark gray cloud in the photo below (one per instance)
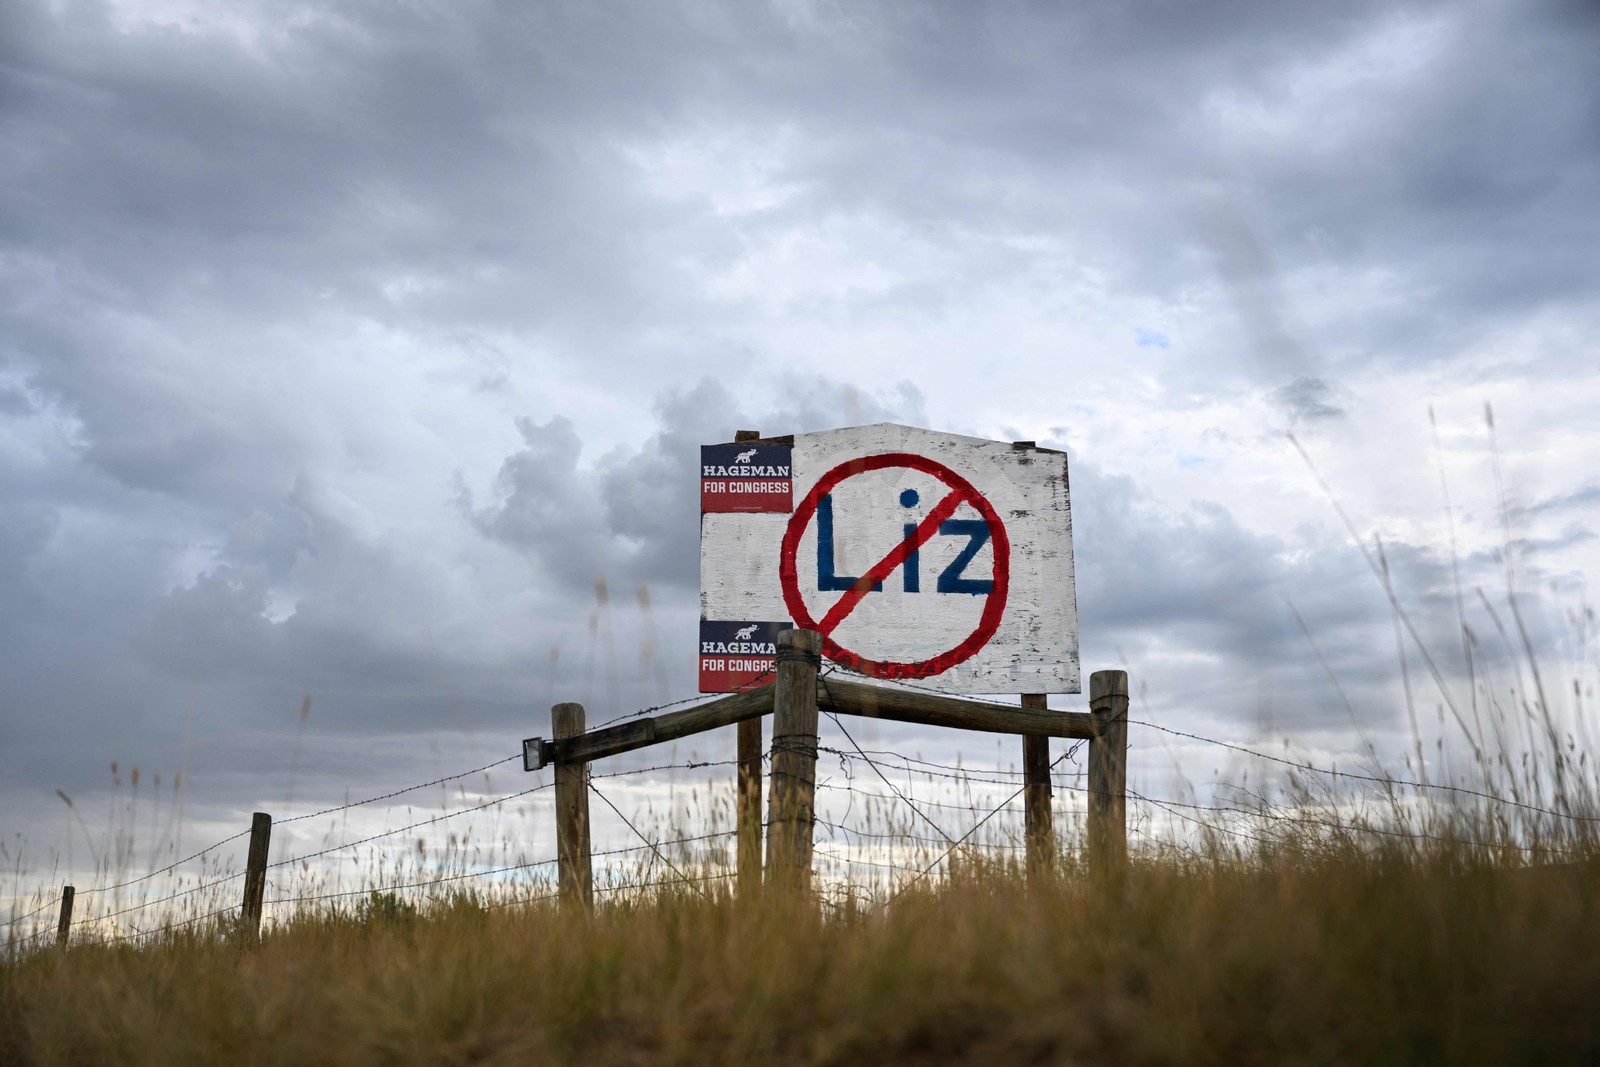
(1308, 400)
(634, 517)
(343, 347)
(1575, 502)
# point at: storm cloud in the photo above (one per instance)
(363, 351)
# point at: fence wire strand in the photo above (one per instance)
(1356, 776)
(411, 826)
(847, 847)
(396, 793)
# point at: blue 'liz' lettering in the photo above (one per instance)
(827, 580)
(950, 579)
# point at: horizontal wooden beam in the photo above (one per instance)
(931, 709)
(833, 694)
(627, 736)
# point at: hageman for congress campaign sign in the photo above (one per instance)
(746, 477)
(933, 559)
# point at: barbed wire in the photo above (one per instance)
(168, 927)
(214, 883)
(1357, 827)
(396, 793)
(15, 945)
(46, 906)
(629, 823)
(88, 891)
(884, 864)
(912, 838)
(956, 768)
(1055, 763)
(159, 900)
(91, 890)
(1356, 776)
(945, 804)
(1253, 837)
(175, 864)
(713, 835)
(956, 773)
(885, 778)
(164, 870)
(687, 765)
(411, 826)
(1232, 820)
(367, 891)
(654, 883)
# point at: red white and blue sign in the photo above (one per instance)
(737, 655)
(905, 556)
(746, 478)
(934, 560)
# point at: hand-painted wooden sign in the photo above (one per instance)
(937, 560)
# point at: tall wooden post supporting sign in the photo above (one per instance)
(1038, 826)
(575, 873)
(1108, 771)
(794, 760)
(749, 796)
(749, 801)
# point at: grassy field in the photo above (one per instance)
(1323, 948)
(1324, 917)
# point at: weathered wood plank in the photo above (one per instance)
(625, 737)
(835, 694)
(932, 709)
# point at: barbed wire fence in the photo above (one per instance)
(885, 821)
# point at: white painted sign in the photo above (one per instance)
(938, 560)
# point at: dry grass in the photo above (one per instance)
(1330, 954)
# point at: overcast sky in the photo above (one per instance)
(345, 346)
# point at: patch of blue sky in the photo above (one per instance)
(1148, 338)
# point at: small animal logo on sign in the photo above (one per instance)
(745, 457)
(744, 633)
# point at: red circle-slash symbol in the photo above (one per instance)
(961, 492)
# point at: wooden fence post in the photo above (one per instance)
(575, 871)
(749, 807)
(255, 872)
(794, 760)
(1108, 771)
(749, 795)
(1038, 826)
(64, 924)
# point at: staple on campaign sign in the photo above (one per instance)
(937, 560)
